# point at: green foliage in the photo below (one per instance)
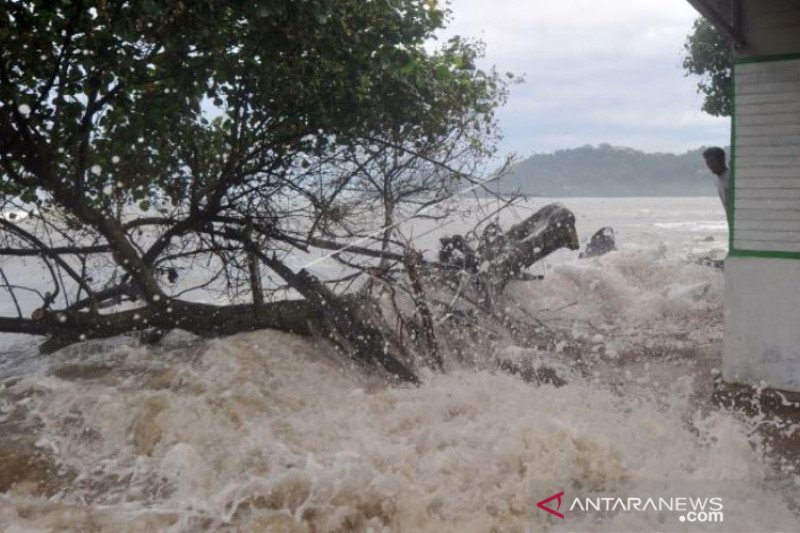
(160, 102)
(708, 55)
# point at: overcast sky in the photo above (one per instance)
(596, 71)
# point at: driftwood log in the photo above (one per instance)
(536, 237)
(502, 256)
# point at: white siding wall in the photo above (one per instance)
(762, 337)
(767, 151)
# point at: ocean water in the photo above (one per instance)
(272, 432)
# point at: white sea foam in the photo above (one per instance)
(267, 432)
(260, 431)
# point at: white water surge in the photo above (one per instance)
(262, 432)
(269, 432)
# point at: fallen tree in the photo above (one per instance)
(146, 211)
(342, 318)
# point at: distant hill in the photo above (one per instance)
(610, 171)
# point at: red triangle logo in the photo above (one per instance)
(543, 504)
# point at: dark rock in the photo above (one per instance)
(601, 243)
(534, 366)
(719, 264)
(542, 375)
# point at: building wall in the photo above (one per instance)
(767, 156)
(762, 272)
(762, 322)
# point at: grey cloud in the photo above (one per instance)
(596, 72)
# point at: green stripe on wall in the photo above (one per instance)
(761, 253)
(764, 59)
